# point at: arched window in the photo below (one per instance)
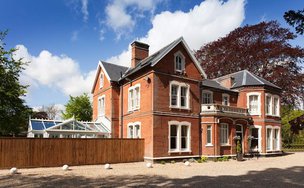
(179, 62)
(101, 80)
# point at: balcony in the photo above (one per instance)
(217, 109)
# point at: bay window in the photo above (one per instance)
(224, 134)
(253, 103)
(209, 135)
(276, 140)
(255, 141)
(276, 106)
(268, 105)
(269, 138)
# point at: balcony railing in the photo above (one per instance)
(217, 108)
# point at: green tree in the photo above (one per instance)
(13, 111)
(80, 107)
(288, 114)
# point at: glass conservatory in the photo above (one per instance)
(42, 128)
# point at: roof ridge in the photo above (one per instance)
(229, 74)
(113, 64)
(244, 78)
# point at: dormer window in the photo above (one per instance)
(179, 62)
(101, 81)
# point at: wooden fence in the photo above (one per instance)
(47, 152)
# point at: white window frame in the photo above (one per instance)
(209, 143)
(266, 105)
(179, 140)
(132, 100)
(133, 125)
(101, 112)
(179, 54)
(228, 99)
(269, 148)
(221, 134)
(276, 112)
(101, 80)
(259, 127)
(211, 96)
(178, 102)
(258, 101)
(278, 139)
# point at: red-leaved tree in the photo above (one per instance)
(264, 50)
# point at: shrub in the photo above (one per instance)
(215, 159)
(163, 162)
(199, 160)
(225, 158)
(172, 162)
(204, 159)
(220, 159)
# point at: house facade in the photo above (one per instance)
(167, 99)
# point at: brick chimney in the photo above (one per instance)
(139, 52)
(228, 82)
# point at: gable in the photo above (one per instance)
(187, 51)
(155, 58)
(167, 63)
(100, 69)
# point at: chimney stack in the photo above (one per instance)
(228, 82)
(139, 52)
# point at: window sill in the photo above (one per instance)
(179, 108)
(209, 145)
(273, 115)
(225, 145)
(179, 151)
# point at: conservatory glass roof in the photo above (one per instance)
(67, 125)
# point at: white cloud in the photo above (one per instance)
(121, 20)
(204, 23)
(57, 72)
(84, 9)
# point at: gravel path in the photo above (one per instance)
(280, 171)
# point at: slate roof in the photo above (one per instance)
(114, 71)
(154, 58)
(215, 84)
(246, 78)
(150, 60)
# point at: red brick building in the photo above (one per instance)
(167, 99)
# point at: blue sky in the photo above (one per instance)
(64, 39)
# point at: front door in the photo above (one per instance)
(239, 133)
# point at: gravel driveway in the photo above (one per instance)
(283, 171)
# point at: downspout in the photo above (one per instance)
(111, 113)
(200, 132)
(121, 109)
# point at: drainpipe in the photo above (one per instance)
(121, 111)
(200, 151)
